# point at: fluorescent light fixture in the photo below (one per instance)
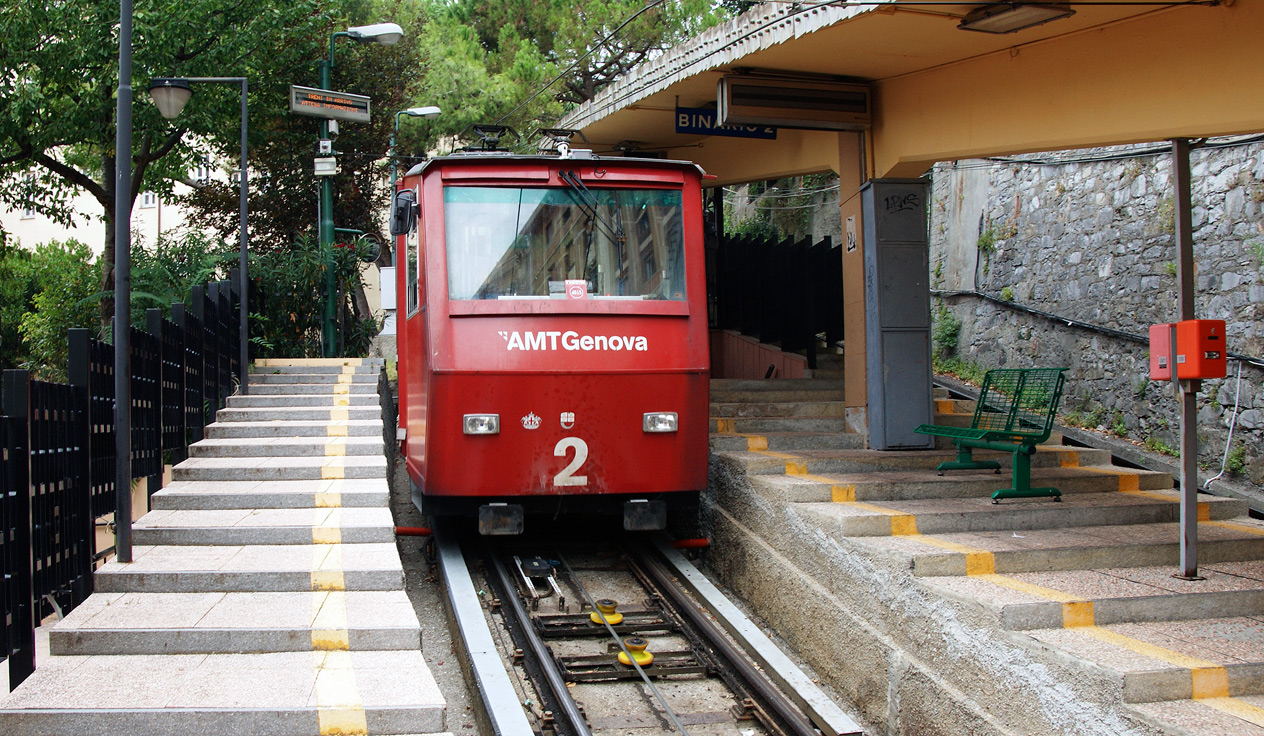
(326, 166)
(481, 423)
(659, 421)
(1010, 17)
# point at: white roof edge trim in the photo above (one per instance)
(759, 28)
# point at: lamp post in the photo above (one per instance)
(387, 34)
(123, 292)
(429, 111)
(170, 94)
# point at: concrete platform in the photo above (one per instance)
(935, 611)
(265, 595)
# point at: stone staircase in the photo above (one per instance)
(265, 595)
(938, 612)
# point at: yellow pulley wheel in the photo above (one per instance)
(636, 647)
(605, 612)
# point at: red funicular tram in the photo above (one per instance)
(553, 348)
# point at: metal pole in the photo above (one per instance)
(123, 291)
(243, 304)
(325, 230)
(1189, 394)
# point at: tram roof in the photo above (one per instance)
(484, 158)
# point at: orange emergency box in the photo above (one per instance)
(1200, 350)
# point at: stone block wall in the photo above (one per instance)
(1092, 240)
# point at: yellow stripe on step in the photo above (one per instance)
(336, 430)
(336, 448)
(1069, 458)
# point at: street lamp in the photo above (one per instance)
(429, 111)
(386, 34)
(170, 94)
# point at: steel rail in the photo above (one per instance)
(540, 650)
(671, 714)
(778, 703)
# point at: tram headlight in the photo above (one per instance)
(659, 421)
(481, 423)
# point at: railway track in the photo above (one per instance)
(620, 636)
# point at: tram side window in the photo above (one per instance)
(412, 243)
(511, 243)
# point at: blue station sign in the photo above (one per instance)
(701, 121)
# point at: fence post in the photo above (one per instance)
(79, 373)
(19, 579)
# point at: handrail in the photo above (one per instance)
(1072, 322)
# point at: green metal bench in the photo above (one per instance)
(1015, 412)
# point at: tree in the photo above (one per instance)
(490, 58)
(59, 73)
(61, 285)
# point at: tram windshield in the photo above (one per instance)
(510, 243)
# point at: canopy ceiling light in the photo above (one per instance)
(1010, 17)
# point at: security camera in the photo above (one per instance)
(333, 128)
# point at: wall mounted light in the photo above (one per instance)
(1010, 17)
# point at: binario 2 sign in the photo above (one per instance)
(552, 340)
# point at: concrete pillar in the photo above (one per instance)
(851, 174)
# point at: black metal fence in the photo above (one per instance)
(784, 292)
(57, 459)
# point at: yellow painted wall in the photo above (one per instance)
(1176, 72)
(739, 160)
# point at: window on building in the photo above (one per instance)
(148, 199)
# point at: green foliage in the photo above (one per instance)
(1142, 386)
(962, 369)
(17, 284)
(164, 272)
(1235, 463)
(1169, 268)
(945, 331)
(65, 279)
(59, 73)
(1007, 294)
(1154, 444)
(1166, 215)
(987, 241)
(286, 315)
(1118, 426)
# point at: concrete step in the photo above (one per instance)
(262, 401)
(210, 623)
(243, 447)
(1068, 548)
(779, 409)
(820, 462)
(264, 526)
(1039, 600)
(296, 428)
(253, 568)
(786, 441)
(279, 694)
(318, 370)
(266, 380)
(1169, 660)
(952, 407)
(276, 494)
(322, 388)
(750, 391)
(291, 414)
(910, 485)
(980, 514)
(280, 468)
(1238, 716)
(761, 425)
